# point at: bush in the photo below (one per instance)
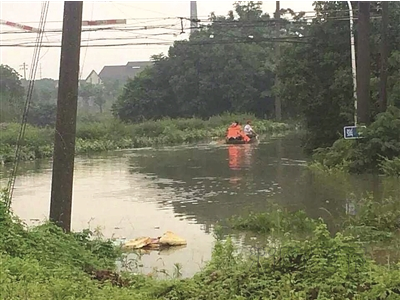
(111, 134)
(390, 167)
(42, 114)
(275, 218)
(46, 263)
(379, 145)
(375, 219)
(320, 267)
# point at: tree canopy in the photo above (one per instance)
(11, 94)
(230, 65)
(224, 66)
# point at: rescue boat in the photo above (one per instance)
(241, 141)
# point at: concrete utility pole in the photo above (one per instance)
(353, 60)
(64, 141)
(363, 63)
(194, 16)
(383, 57)
(277, 103)
(24, 67)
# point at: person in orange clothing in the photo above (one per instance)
(232, 131)
(235, 132)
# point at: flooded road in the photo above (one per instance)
(187, 190)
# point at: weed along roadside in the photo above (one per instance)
(111, 134)
(45, 263)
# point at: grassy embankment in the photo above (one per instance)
(45, 263)
(103, 134)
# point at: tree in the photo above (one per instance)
(363, 63)
(11, 94)
(316, 75)
(46, 90)
(225, 66)
(99, 97)
(86, 92)
(229, 65)
(42, 114)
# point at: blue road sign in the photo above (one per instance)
(351, 132)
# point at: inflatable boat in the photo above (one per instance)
(241, 141)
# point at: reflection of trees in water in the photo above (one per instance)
(213, 184)
(37, 166)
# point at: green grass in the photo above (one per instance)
(274, 219)
(96, 134)
(47, 264)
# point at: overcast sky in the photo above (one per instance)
(161, 14)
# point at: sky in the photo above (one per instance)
(163, 16)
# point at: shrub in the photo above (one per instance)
(379, 145)
(110, 134)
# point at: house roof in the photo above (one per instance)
(123, 72)
(93, 71)
(140, 64)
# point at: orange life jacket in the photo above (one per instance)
(233, 131)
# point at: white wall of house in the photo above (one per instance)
(93, 78)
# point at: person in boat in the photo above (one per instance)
(234, 132)
(248, 130)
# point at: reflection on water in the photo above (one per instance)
(188, 189)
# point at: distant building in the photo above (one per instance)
(93, 78)
(119, 73)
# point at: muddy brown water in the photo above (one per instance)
(187, 190)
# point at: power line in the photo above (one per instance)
(173, 30)
(164, 26)
(226, 23)
(35, 60)
(250, 40)
(204, 18)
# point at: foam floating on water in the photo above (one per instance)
(166, 240)
(137, 243)
(171, 239)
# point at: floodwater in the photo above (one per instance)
(187, 190)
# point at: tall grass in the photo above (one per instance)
(48, 264)
(102, 133)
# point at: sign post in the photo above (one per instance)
(352, 132)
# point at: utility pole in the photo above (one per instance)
(383, 57)
(24, 67)
(277, 103)
(194, 16)
(64, 141)
(353, 60)
(363, 63)
(40, 71)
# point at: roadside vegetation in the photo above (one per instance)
(46, 263)
(106, 133)
(377, 152)
(226, 71)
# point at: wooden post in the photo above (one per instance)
(383, 57)
(363, 63)
(64, 141)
